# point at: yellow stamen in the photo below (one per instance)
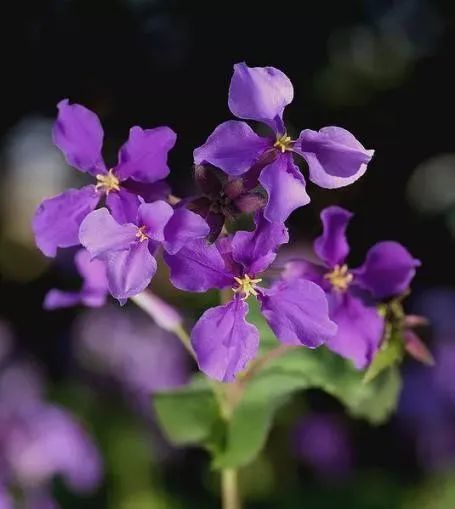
(107, 182)
(340, 278)
(283, 143)
(141, 235)
(246, 286)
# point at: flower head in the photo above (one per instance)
(79, 135)
(334, 157)
(387, 272)
(224, 342)
(128, 249)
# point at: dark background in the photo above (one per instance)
(381, 69)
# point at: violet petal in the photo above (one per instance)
(387, 271)
(233, 147)
(260, 93)
(256, 250)
(78, 134)
(198, 267)
(143, 157)
(285, 187)
(335, 157)
(224, 341)
(298, 313)
(360, 329)
(130, 271)
(56, 221)
(332, 246)
(100, 233)
(183, 227)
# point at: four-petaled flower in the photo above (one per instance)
(142, 164)
(224, 342)
(386, 272)
(334, 156)
(128, 249)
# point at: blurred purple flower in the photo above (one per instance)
(127, 346)
(39, 441)
(94, 288)
(223, 340)
(427, 405)
(334, 156)
(79, 135)
(323, 443)
(386, 272)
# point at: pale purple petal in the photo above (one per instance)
(298, 313)
(123, 205)
(93, 272)
(198, 267)
(256, 250)
(6, 502)
(57, 299)
(224, 341)
(260, 93)
(332, 246)
(100, 233)
(164, 315)
(388, 270)
(360, 329)
(233, 147)
(285, 187)
(303, 269)
(130, 272)
(154, 216)
(335, 157)
(56, 221)
(144, 156)
(78, 134)
(183, 227)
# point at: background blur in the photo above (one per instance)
(382, 69)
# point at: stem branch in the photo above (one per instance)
(230, 489)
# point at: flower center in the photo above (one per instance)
(246, 286)
(283, 143)
(141, 235)
(108, 182)
(340, 278)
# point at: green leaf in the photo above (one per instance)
(248, 429)
(391, 353)
(299, 369)
(268, 338)
(189, 415)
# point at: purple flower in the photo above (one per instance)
(222, 199)
(79, 135)
(127, 346)
(223, 340)
(46, 442)
(334, 156)
(322, 441)
(94, 288)
(39, 441)
(128, 249)
(387, 271)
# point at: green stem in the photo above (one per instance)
(230, 489)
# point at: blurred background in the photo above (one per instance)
(81, 380)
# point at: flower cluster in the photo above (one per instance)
(238, 171)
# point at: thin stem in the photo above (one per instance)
(230, 489)
(181, 333)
